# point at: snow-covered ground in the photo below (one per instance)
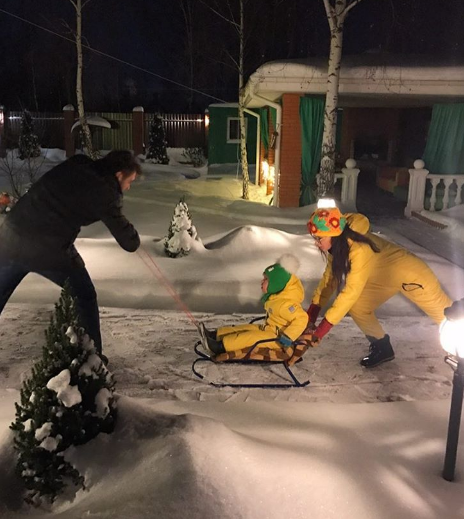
(355, 443)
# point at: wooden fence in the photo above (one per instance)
(48, 126)
(182, 130)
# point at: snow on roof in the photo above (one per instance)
(373, 75)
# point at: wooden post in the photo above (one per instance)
(69, 118)
(138, 141)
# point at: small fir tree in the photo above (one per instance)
(67, 401)
(157, 153)
(28, 141)
(194, 156)
(181, 232)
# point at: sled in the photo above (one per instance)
(297, 350)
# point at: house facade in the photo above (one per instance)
(385, 108)
(224, 139)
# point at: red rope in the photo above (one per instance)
(156, 271)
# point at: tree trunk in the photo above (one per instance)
(336, 17)
(79, 91)
(326, 177)
(241, 112)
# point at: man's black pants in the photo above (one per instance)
(82, 288)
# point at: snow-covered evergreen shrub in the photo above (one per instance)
(181, 232)
(67, 401)
(28, 147)
(157, 153)
(195, 156)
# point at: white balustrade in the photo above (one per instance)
(349, 179)
(451, 185)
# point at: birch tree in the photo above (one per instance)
(336, 11)
(78, 6)
(238, 24)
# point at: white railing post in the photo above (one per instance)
(459, 184)
(434, 180)
(446, 195)
(416, 192)
(350, 185)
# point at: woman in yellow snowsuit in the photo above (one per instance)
(285, 321)
(365, 271)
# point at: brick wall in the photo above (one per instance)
(290, 152)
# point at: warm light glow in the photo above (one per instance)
(272, 175)
(452, 337)
(265, 168)
(206, 120)
(325, 203)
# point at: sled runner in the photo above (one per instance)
(258, 353)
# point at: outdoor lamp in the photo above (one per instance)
(452, 341)
(325, 203)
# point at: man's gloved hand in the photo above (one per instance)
(313, 313)
(285, 341)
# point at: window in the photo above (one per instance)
(233, 129)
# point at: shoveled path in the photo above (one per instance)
(383, 208)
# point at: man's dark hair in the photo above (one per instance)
(119, 160)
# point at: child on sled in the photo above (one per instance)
(286, 320)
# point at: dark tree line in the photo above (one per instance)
(37, 69)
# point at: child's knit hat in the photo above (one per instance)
(279, 274)
(326, 222)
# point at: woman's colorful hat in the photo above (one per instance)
(326, 222)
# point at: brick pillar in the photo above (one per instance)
(2, 132)
(290, 152)
(69, 118)
(138, 130)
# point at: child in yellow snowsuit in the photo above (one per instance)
(286, 320)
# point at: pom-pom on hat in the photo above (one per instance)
(326, 222)
(279, 273)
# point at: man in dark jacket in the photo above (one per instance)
(38, 234)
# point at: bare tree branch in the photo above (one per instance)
(350, 6)
(215, 11)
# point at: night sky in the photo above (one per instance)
(37, 69)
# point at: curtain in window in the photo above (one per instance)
(264, 127)
(312, 126)
(444, 151)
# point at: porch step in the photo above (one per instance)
(428, 221)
